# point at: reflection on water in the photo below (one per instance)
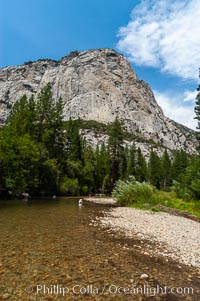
(48, 245)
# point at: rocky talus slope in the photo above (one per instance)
(96, 85)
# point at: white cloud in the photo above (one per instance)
(164, 34)
(177, 112)
(190, 96)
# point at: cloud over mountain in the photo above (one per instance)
(173, 108)
(164, 34)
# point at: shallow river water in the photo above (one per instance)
(50, 251)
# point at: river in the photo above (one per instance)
(50, 251)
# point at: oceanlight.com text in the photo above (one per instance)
(111, 289)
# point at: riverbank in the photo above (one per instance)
(51, 246)
(101, 200)
(169, 236)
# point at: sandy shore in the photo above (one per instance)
(173, 237)
(102, 201)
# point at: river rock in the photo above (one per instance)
(144, 276)
(6, 296)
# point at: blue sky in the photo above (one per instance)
(159, 37)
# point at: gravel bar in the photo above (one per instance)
(101, 200)
(174, 237)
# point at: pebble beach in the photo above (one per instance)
(173, 237)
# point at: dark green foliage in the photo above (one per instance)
(102, 169)
(186, 176)
(88, 173)
(19, 156)
(179, 164)
(96, 126)
(191, 178)
(49, 122)
(23, 116)
(42, 154)
(32, 143)
(69, 186)
(131, 166)
(145, 196)
(74, 141)
(154, 169)
(141, 172)
(116, 151)
(166, 171)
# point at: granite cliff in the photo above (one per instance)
(96, 85)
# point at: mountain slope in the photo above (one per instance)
(96, 85)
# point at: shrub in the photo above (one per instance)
(154, 209)
(132, 191)
(181, 191)
(195, 187)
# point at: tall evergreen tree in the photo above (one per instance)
(123, 164)
(74, 141)
(115, 148)
(35, 124)
(141, 172)
(191, 177)
(131, 166)
(154, 169)
(22, 117)
(88, 172)
(19, 157)
(49, 123)
(102, 168)
(166, 177)
(179, 164)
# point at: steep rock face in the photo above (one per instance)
(96, 85)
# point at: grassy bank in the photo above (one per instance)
(145, 196)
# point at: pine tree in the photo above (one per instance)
(38, 122)
(191, 178)
(23, 116)
(115, 148)
(44, 114)
(49, 122)
(131, 166)
(19, 157)
(166, 179)
(123, 164)
(141, 172)
(102, 169)
(57, 136)
(154, 169)
(88, 171)
(74, 141)
(179, 164)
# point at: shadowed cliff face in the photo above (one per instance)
(96, 85)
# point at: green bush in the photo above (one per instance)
(154, 209)
(132, 191)
(195, 187)
(181, 191)
(69, 186)
(145, 196)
